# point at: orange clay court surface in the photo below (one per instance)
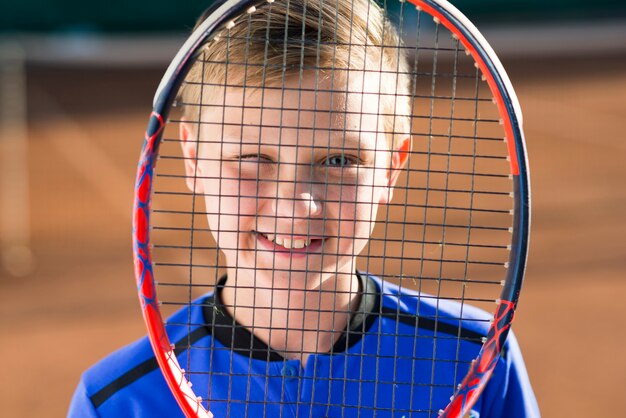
(85, 131)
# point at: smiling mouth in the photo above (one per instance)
(289, 243)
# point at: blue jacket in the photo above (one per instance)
(390, 362)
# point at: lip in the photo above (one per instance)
(315, 246)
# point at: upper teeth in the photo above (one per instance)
(289, 243)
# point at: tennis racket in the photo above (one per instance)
(301, 249)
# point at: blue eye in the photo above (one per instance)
(339, 161)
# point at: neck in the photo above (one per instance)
(295, 323)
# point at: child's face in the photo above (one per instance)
(292, 179)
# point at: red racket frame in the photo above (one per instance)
(448, 16)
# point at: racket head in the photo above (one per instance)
(463, 37)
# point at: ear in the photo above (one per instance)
(399, 158)
(189, 145)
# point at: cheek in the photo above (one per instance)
(232, 194)
(356, 209)
(231, 204)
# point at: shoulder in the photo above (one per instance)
(129, 379)
(509, 392)
(111, 383)
(445, 315)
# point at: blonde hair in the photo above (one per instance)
(286, 37)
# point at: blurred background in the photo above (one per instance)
(76, 84)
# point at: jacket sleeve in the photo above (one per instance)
(509, 392)
(81, 406)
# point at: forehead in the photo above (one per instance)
(340, 102)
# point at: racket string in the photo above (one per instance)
(420, 231)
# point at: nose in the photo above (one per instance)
(297, 199)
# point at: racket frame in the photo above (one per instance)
(505, 98)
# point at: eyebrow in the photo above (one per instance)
(348, 141)
(352, 140)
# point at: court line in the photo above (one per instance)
(556, 39)
(517, 39)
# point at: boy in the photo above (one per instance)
(294, 148)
